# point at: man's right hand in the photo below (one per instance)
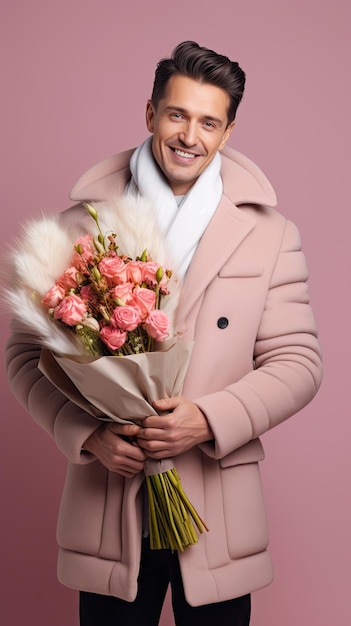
(111, 446)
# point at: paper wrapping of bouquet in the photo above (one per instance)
(119, 388)
(107, 385)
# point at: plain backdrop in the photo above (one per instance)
(75, 77)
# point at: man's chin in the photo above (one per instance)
(181, 186)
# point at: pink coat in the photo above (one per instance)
(249, 372)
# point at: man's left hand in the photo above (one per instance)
(181, 427)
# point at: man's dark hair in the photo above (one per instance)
(204, 65)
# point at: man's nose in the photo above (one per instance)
(188, 134)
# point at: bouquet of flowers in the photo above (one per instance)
(95, 305)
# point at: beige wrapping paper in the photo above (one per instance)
(120, 388)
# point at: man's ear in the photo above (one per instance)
(150, 116)
(227, 134)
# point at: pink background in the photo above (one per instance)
(75, 76)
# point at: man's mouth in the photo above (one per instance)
(184, 155)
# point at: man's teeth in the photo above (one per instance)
(187, 155)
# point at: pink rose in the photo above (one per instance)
(123, 292)
(88, 293)
(149, 269)
(71, 310)
(144, 300)
(114, 270)
(135, 272)
(53, 296)
(84, 253)
(157, 325)
(114, 338)
(68, 280)
(125, 317)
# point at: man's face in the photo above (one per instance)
(189, 125)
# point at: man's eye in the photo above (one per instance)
(209, 125)
(177, 116)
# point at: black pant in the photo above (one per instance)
(158, 568)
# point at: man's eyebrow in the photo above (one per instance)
(209, 118)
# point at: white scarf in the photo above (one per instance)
(182, 225)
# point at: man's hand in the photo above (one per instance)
(113, 444)
(182, 428)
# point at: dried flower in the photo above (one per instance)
(116, 299)
(104, 303)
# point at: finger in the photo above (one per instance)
(167, 421)
(126, 458)
(127, 430)
(167, 404)
(160, 428)
(130, 451)
(163, 453)
(126, 469)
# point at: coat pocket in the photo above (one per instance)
(244, 509)
(90, 513)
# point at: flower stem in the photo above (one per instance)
(171, 513)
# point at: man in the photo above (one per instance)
(256, 361)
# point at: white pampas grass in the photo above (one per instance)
(26, 307)
(44, 249)
(134, 221)
(42, 253)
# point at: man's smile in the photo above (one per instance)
(186, 155)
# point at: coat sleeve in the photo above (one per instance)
(288, 364)
(64, 421)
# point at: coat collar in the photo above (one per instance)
(243, 181)
(243, 184)
(104, 180)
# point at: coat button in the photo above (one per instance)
(222, 322)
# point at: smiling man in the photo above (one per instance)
(189, 125)
(255, 362)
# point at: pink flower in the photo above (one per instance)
(126, 317)
(144, 300)
(114, 269)
(88, 293)
(123, 292)
(86, 248)
(86, 252)
(53, 296)
(70, 310)
(68, 280)
(114, 338)
(149, 270)
(135, 272)
(157, 325)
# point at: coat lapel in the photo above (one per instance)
(227, 229)
(243, 182)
